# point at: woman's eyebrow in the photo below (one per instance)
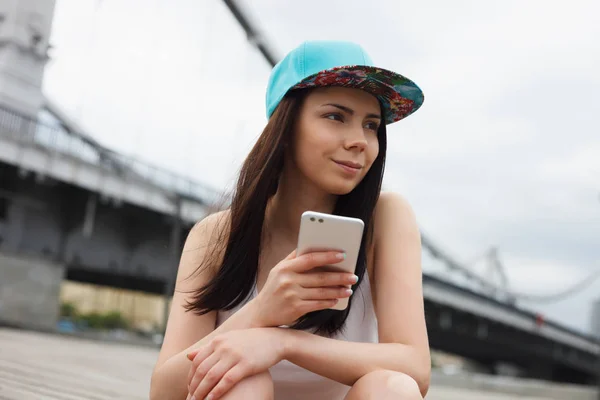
(350, 111)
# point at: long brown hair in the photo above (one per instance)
(240, 245)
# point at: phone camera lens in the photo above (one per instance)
(312, 219)
(320, 220)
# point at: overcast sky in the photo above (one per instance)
(504, 152)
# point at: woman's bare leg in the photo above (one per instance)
(385, 385)
(256, 387)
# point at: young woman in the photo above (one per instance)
(250, 319)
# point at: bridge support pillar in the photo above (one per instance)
(69, 207)
(30, 292)
(89, 218)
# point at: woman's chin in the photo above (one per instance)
(340, 187)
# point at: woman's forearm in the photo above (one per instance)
(169, 381)
(346, 362)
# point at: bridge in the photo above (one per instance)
(71, 208)
(110, 220)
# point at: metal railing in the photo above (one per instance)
(50, 134)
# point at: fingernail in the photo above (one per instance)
(209, 397)
(349, 292)
(193, 398)
(354, 279)
(341, 256)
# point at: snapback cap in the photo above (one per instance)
(340, 63)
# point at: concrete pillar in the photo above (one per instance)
(30, 292)
(15, 225)
(25, 27)
(90, 215)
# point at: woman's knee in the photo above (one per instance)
(255, 387)
(383, 385)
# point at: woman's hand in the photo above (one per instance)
(230, 357)
(292, 289)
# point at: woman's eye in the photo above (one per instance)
(334, 117)
(372, 125)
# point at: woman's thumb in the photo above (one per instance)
(292, 255)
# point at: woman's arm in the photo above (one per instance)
(399, 306)
(185, 330)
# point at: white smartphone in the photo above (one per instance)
(325, 232)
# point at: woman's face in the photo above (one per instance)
(335, 139)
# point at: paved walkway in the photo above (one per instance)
(36, 366)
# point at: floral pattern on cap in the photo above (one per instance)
(398, 95)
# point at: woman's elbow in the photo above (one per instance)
(422, 375)
(423, 379)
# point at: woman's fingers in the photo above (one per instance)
(325, 293)
(212, 378)
(309, 261)
(192, 354)
(201, 371)
(198, 356)
(229, 380)
(327, 278)
(315, 305)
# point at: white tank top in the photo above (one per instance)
(292, 382)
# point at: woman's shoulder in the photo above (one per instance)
(392, 202)
(207, 238)
(393, 214)
(217, 222)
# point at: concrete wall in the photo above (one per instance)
(29, 291)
